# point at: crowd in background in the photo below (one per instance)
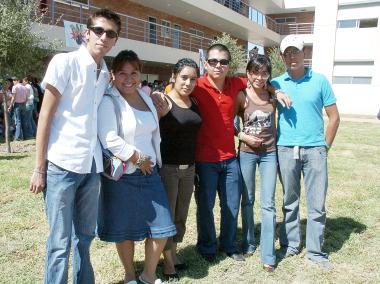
(22, 99)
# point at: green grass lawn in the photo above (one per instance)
(352, 236)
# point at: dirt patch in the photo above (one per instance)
(19, 147)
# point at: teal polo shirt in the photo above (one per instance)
(302, 124)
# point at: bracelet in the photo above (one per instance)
(328, 146)
(140, 160)
(39, 172)
(240, 135)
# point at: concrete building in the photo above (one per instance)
(340, 35)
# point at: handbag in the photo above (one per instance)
(113, 167)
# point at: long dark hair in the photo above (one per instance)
(255, 64)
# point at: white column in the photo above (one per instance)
(324, 37)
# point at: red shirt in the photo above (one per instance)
(216, 135)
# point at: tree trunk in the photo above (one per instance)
(6, 125)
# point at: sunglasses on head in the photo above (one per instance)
(99, 31)
(214, 62)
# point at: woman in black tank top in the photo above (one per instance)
(179, 129)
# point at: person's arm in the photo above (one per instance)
(13, 97)
(48, 109)
(332, 125)
(279, 95)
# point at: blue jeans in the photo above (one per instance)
(19, 112)
(222, 177)
(267, 163)
(312, 164)
(29, 121)
(71, 201)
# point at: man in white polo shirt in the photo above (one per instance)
(68, 154)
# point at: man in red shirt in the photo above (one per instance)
(217, 168)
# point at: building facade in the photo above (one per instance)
(339, 35)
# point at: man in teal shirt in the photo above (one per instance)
(302, 149)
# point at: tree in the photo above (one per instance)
(278, 64)
(238, 55)
(23, 47)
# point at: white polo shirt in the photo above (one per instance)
(73, 139)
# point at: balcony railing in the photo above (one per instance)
(256, 16)
(132, 28)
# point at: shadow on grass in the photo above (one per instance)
(337, 232)
(9, 157)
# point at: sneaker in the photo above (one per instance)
(236, 256)
(285, 253)
(324, 264)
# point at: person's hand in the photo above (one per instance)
(284, 100)
(37, 181)
(146, 166)
(252, 141)
(9, 108)
(161, 104)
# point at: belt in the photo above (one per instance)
(183, 167)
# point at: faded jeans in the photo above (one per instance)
(312, 164)
(267, 164)
(71, 201)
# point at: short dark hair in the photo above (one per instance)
(259, 62)
(220, 47)
(185, 62)
(107, 14)
(126, 56)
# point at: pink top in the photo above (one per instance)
(21, 93)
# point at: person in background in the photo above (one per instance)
(145, 88)
(68, 153)
(135, 207)
(169, 87)
(257, 146)
(31, 125)
(302, 150)
(179, 129)
(18, 105)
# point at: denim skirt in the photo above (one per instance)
(134, 208)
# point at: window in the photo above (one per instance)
(152, 30)
(358, 23)
(368, 23)
(344, 24)
(177, 36)
(352, 80)
(196, 32)
(165, 29)
(75, 2)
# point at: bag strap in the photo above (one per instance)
(118, 115)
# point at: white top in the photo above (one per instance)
(145, 126)
(30, 100)
(124, 147)
(73, 142)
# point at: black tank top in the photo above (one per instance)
(179, 129)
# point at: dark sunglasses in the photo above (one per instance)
(214, 62)
(99, 31)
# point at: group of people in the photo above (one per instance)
(171, 143)
(22, 99)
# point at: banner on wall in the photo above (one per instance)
(75, 33)
(202, 58)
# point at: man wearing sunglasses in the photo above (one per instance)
(68, 155)
(302, 149)
(217, 169)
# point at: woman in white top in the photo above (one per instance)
(135, 207)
